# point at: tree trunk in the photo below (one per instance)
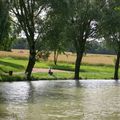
(117, 67)
(31, 63)
(55, 57)
(77, 65)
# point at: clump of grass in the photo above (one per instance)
(8, 78)
(55, 76)
(37, 76)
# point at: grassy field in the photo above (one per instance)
(69, 57)
(93, 66)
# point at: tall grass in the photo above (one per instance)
(68, 57)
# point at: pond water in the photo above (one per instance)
(60, 100)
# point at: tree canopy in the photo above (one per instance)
(4, 25)
(110, 24)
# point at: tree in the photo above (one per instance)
(98, 47)
(20, 43)
(55, 23)
(110, 29)
(4, 25)
(81, 26)
(29, 16)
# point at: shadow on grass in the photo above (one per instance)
(20, 58)
(7, 78)
(65, 68)
(54, 77)
(11, 65)
(2, 70)
(98, 64)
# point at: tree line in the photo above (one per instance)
(53, 25)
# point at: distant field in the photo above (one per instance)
(89, 58)
(15, 53)
(69, 57)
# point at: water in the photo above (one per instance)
(60, 100)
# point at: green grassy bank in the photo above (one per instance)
(88, 71)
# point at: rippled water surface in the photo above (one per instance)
(60, 100)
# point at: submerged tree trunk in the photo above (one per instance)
(31, 63)
(77, 65)
(117, 67)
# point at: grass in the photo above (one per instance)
(55, 76)
(16, 65)
(16, 61)
(69, 57)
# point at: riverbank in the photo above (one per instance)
(94, 66)
(17, 65)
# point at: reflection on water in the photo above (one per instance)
(60, 100)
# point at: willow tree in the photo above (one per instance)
(53, 37)
(55, 23)
(29, 16)
(110, 26)
(4, 23)
(81, 26)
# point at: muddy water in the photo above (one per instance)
(60, 100)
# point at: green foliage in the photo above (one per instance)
(98, 47)
(82, 17)
(5, 41)
(42, 55)
(20, 43)
(81, 25)
(111, 29)
(110, 23)
(53, 38)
